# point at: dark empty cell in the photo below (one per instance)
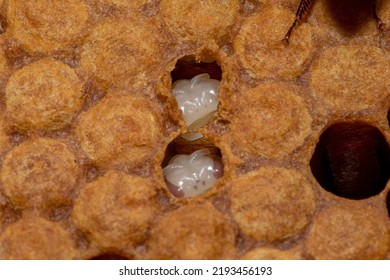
(388, 116)
(352, 160)
(109, 256)
(350, 15)
(187, 68)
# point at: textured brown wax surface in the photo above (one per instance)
(39, 173)
(175, 237)
(116, 209)
(88, 120)
(40, 28)
(27, 239)
(327, 239)
(117, 50)
(261, 214)
(119, 129)
(43, 95)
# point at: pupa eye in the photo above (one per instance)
(194, 174)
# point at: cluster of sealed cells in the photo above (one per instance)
(83, 134)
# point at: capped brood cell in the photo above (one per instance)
(120, 129)
(122, 53)
(128, 215)
(192, 232)
(270, 120)
(36, 239)
(261, 52)
(350, 230)
(40, 173)
(40, 27)
(360, 79)
(195, 20)
(44, 95)
(272, 204)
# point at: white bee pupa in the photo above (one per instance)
(191, 175)
(197, 99)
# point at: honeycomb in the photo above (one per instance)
(88, 122)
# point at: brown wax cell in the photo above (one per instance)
(44, 27)
(120, 129)
(349, 231)
(192, 232)
(122, 52)
(199, 20)
(4, 68)
(36, 239)
(359, 80)
(43, 95)
(1, 216)
(132, 4)
(40, 173)
(272, 204)
(4, 140)
(260, 49)
(116, 209)
(269, 120)
(269, 253)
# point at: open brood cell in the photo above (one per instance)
(192, 163)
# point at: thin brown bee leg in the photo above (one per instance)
(378, 20)
(288, 34)
(303, 8)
